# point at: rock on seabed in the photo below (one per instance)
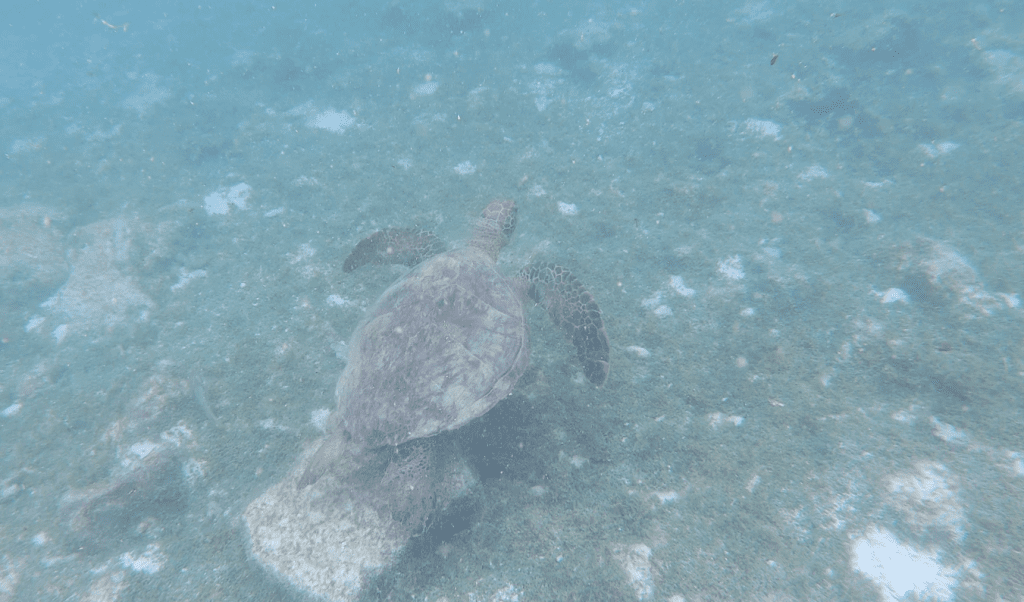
(316, 540)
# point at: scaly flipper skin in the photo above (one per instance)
(329, 457)
(407, 246)
(574, 310)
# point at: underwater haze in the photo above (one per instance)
(803, 223)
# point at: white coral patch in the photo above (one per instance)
(731, 268)
(638, 351)
(424, 89)
(332, 121)
(892, 295)
(677, 284)
(319, 419)
(185, 276)
(635, 560)
(220, 201)
(569, 209)
(717, 419)
(936, 150)
(764, 128)
(814, 172)
(926, 498)
(465, 168)
(149, 562)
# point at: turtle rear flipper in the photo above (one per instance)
(574, 310)
(407, 246)
(328, 457)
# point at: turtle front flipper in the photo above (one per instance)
(574, 310)
(407, 246)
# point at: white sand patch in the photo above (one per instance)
(900, 570)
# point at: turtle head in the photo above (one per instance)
(495, 227)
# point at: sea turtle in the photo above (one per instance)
(444, 344)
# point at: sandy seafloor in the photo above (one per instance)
(810, 273)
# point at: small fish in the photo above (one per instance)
(775, 57)
(198, 386)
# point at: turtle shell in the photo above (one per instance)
(441, 347)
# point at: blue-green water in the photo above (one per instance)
(802, 222)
